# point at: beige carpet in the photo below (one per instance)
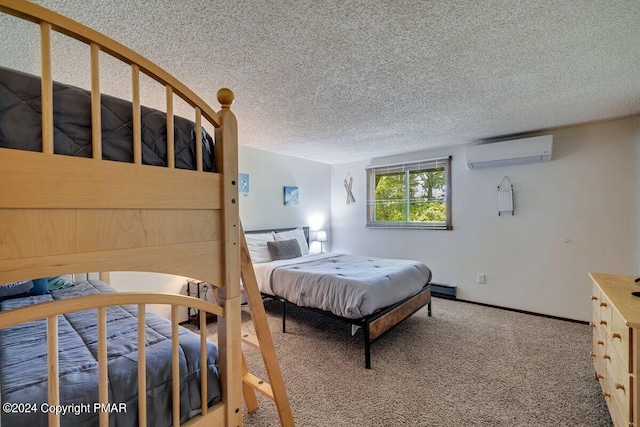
(468, 365)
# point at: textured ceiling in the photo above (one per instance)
(339, 81)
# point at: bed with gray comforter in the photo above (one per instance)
(21, 125)
(23, 364)
(349, 286)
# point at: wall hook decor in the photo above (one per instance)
(348, 183)
(505, 196)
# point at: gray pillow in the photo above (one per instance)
(284, 249)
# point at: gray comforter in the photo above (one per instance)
(23, 364)
(349, 286)
(21, 125)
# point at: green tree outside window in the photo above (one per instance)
(413, 195)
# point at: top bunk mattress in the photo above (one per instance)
(21, 125)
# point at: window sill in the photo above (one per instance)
(410, 227)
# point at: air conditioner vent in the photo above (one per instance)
(513, 152)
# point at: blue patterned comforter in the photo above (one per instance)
(23, 365)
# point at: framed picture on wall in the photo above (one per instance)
(291, 196)
(243, 184)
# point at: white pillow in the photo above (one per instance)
(257, 244)
(297, 234)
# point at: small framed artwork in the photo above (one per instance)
(291, 196)
(243, 184)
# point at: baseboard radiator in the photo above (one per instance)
(443, 291)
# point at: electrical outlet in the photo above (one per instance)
(481, 279)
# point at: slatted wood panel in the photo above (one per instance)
(188, 259)
(175, 365)
(96, 113)
(52, 371)
(198, 139)
(103, 373)
(61, 179)
(203, 361)
(142, 367)
(63, 231)
(137, 119)
(46, 87)
(171, 156)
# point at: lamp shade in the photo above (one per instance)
(321, 236)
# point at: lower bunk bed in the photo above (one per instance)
(24, 368)
(375, 294)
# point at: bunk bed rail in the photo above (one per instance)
(51, 310)
(49, 20)
(61, 214)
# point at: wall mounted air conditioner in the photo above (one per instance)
(513, 152)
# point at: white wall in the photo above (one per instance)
(130, 281)
(262, 208)
(588, 194)
(637, 178)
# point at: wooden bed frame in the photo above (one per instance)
(376, 324)
(70, 216)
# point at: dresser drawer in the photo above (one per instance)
(599, 342)
(595, 298)
(600, 339)
(620, 340)
(618, 386)
(605, 310)
(597, 354)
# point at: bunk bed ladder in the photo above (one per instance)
(275, 389)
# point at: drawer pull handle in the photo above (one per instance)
(600, 342)
(603, 304)
(606, 394)
(593, 325)
(619, 386)
(594, 298)
(592, 354)
(599, 376)
(616, 335)
(603, 322)
(606, 356)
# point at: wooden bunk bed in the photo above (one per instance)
(93, 215)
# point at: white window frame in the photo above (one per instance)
(407, 167)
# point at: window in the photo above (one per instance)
(410, 195)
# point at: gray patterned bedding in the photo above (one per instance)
(23, 364)
(350, 286)
(21, 125)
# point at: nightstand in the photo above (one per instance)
(200, 290)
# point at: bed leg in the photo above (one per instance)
(284, 316)
(367, 347)
(429, 308)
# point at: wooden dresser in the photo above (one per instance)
(616, 349)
